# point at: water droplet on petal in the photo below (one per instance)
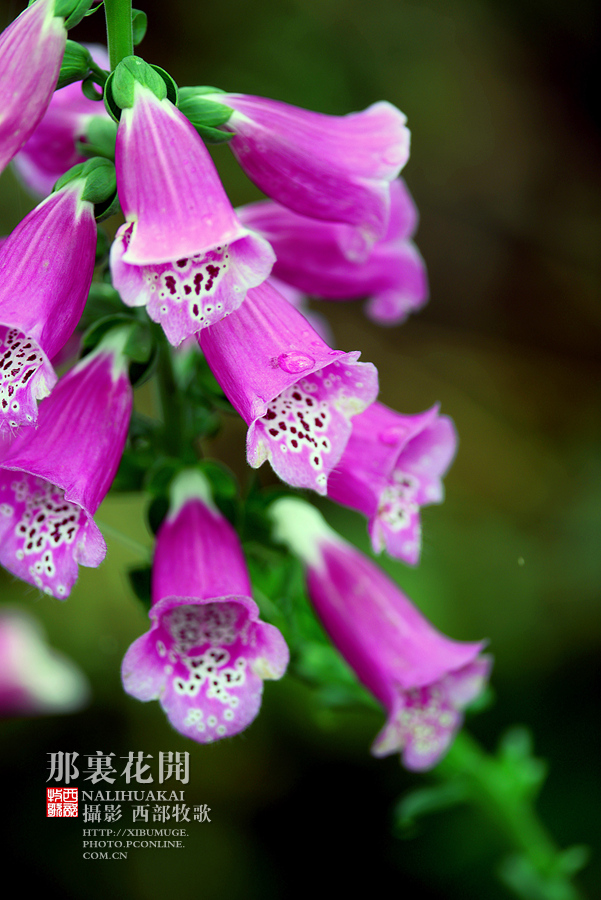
(295, 362)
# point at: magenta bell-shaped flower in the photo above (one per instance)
(423, 679)
(314, 257)
(46, 268)
(392, 465)
(182, 251)
(207, 652)
(51, 150)
(31, 52)
(336, 168)
(295, 393)
(53, 478)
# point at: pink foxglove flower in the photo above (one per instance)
(46, 268)
(392, 465)
(53, 478)
(35, 679)
(295, 393)
(336, 168)
(31, 52)
(313, 257)
(299, 301)
(207, 652)
(182, 251)
(422, 678)
(51, 150)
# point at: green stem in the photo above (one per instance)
(130, 543)
(119, 30)
(489, 786)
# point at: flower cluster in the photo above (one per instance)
(228, 287)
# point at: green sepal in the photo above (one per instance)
(100, 186)
(89, 89)
(101, 180)
(140, 343)
(119, 89)
(112, 109)
(213, 135)
(73, 11)
(205, 115)
(141, 372)
(96, 332)
(140, 581)
(70, 175)
(103, 300)
(100, 134)
(134, 69)
(156, 512)
(223, 481)
(139, 24)
(200, 89)
(75, 65)
(201, 111)
(139, 348)
(161, 474)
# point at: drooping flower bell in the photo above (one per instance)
(182, 251)
(392, 465)
(53, 478)
(46, 268)
(313, 257)
(31, 51)
(207, 652)
(295, 393)
(422, 678)
(336, 168)
(52, 148)
(34, 678)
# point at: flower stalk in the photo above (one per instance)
(119, 30)
(493, 785)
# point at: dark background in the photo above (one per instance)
(505, 144)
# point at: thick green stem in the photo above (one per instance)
(119, 30)
(490, 788)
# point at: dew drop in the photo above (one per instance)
(295, 362)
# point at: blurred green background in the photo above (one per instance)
(504, 170)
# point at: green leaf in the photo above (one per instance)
(424, 801)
